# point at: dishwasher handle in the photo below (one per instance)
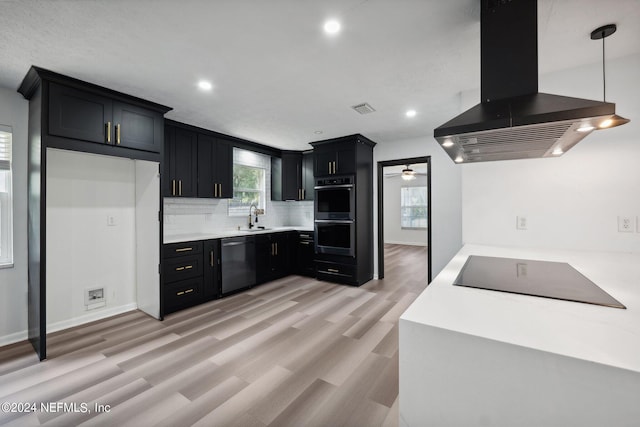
(234, 243)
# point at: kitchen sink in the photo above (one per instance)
(255, 229)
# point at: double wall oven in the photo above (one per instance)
(335, 213)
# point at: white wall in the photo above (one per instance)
(446, 217)
(570, 202)
(393, 232)
(14, 112)
(83, 252)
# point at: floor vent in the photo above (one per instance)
(363, 108)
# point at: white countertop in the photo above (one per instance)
(189, 237)
(605, 335)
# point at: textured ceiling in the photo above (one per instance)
(277, 77)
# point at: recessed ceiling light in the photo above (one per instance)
(411, 113)
(332, 26)
(557, 151)
(318, 132)
(205, 85)
(459, 159)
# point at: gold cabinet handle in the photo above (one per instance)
(219, 190)
(276, 248)
(305, 243)
(184, 249)
(303, 190)
(186, 267)
(188, 291)
(329, 168)
(272, 249)
(333, 270)
(118, 134)
(173, 187)
(108, 132)
(211, 258)
(179, 187)
(179, 268)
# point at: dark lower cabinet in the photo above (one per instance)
(182, 275)
(337, 272)
(212, 273)
(305, 254)
(272, 256)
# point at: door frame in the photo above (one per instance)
(401, 162)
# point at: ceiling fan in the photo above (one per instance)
(407, 174)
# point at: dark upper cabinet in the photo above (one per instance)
(308, 181)
(180, 177)
(292, 176)
(87, 116)
(77, 114)
(215, 167)
(136, 127)
(334, 159)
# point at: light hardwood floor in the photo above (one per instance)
(293, 352)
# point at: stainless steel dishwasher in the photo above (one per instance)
(238, 263)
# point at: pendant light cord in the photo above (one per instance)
(604, 80)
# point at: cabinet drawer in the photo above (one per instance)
(181, 249)
(333, 271)
(182, 294)
(180, 268)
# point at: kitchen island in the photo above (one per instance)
(476, 357)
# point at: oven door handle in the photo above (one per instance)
(328, 187)
(334, 221)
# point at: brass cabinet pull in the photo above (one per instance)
(276, 248)
(186, 267)
(184, 249)
(173, 187)
(303, 191)
(333, 270)
(179, 268)
(219, 190)
(179, 187)
(305, 243)
(334, 167)
(272, 249)
(329, 168)
(188, 291)
(215, 190)
(108, 132)
(118, 134)
(211, 258)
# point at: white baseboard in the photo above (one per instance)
(90, 317)
(14, 338)
(406, 243)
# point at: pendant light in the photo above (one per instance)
(408, 174)
(597, 34)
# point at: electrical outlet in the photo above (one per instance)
(521, 222)
(111, 220)
(625, 224)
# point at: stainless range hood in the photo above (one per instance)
(514, 120)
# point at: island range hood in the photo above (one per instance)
(514, 120)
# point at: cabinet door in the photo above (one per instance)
(264, 252)
(136, 127)
(79, 115)
(211, 285)
(206, 179)
(184, 163)
(168, 157)
(280, 259)
(345, 160)
(291, 176)
(224, 169)
(308, 180)
(323, 162)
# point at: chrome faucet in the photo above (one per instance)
(255, 208)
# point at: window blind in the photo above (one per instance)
(5, 150)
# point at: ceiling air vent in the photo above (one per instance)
(363, 108)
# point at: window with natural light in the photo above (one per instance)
(6, 228)
(413, 207)
(249, 181)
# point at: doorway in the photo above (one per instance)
(407, 219)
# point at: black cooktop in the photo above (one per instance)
(547, 279)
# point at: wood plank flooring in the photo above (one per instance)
(293, 352)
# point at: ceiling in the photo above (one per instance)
(278, 78)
